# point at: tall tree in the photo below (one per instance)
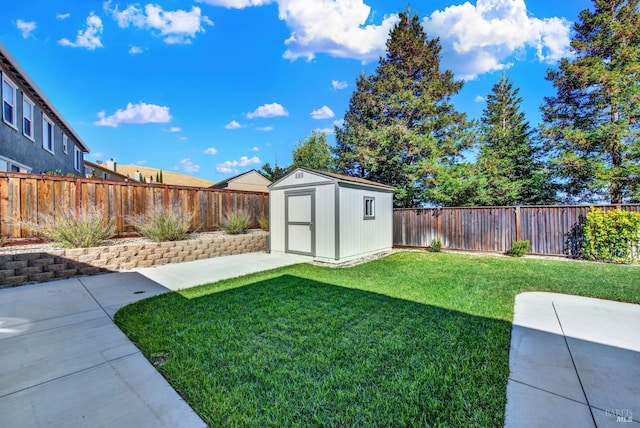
(592, 122)
(509, 160)
(313, 152)
(401, 128)
(276, 172)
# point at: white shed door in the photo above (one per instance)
(299, 222)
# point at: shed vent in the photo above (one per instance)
(299, 175)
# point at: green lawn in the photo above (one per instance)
(414, 339)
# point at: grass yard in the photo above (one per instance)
(414, 339)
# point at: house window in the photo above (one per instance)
(369, 208)
(77, 158)
(9, 95)
(27, 117)
(65, 143)
(47, 134)
(10, 165)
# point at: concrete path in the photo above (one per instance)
(64, 363)
(574, 362)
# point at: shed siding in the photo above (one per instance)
(276, 221)
(359, 236)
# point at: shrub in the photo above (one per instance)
(161, 225)
(519, 248)
(264, 223)
(237, 222)
(612, 235)
(436, 246)
(74, 230)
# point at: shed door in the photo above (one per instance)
(300, 232)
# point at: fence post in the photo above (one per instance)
(78, 196)
(166, 198)
(518, 231)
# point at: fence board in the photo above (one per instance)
(26, 197)
(551, 230)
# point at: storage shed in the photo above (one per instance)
(331, 217)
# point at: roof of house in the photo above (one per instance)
(10, 62)
(102, 167)
(222, 184)
(340, 177)
(168, 177)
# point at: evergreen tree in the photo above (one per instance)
(161, 180)
(275, 173)
(313, 152)
(592, 122)
(401, 128)
(509, 160)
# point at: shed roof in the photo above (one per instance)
(339, 178)
(222, 184)
(10, 62)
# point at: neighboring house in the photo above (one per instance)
(104, 172)
(136, 172)
(34, 137)
(250, 181)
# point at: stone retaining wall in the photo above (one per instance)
(18, 269)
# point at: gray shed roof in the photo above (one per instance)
(338, 177)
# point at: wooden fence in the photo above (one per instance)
(25, 197)
(551, 230)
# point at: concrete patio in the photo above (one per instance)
(64, 363)
(574, 362)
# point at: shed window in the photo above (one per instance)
(27, 117)
(9, 95)
(369, 207)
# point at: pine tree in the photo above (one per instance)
(592, 122)
(509, 160)
(275, 173)
(313, 152)
(161, 179)
(401, 128)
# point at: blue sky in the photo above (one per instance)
(212, 88)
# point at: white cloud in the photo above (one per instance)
(183, 138)
(336, 27)
(232, 125)
(323, 112)
(172, 129)
(141, 162)
(254, 149)
(228, 167)
(325, 130)
(210, 151)
(479, 99)
(90, 37)
(338, 123)
(478, 39)
(63, 15)
(339, 84)
(135, 50)
(177, 27)
(96, 155)
(264, 128)
(269, 110)
(187, 165)
(26, 27)
(135, 113)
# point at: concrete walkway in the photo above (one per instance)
(574, 362)
(64, 363)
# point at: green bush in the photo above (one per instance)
(237, 222)
(161, 225)
(612, 235)
(519, 248)
(436, 246)
(74, 230)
